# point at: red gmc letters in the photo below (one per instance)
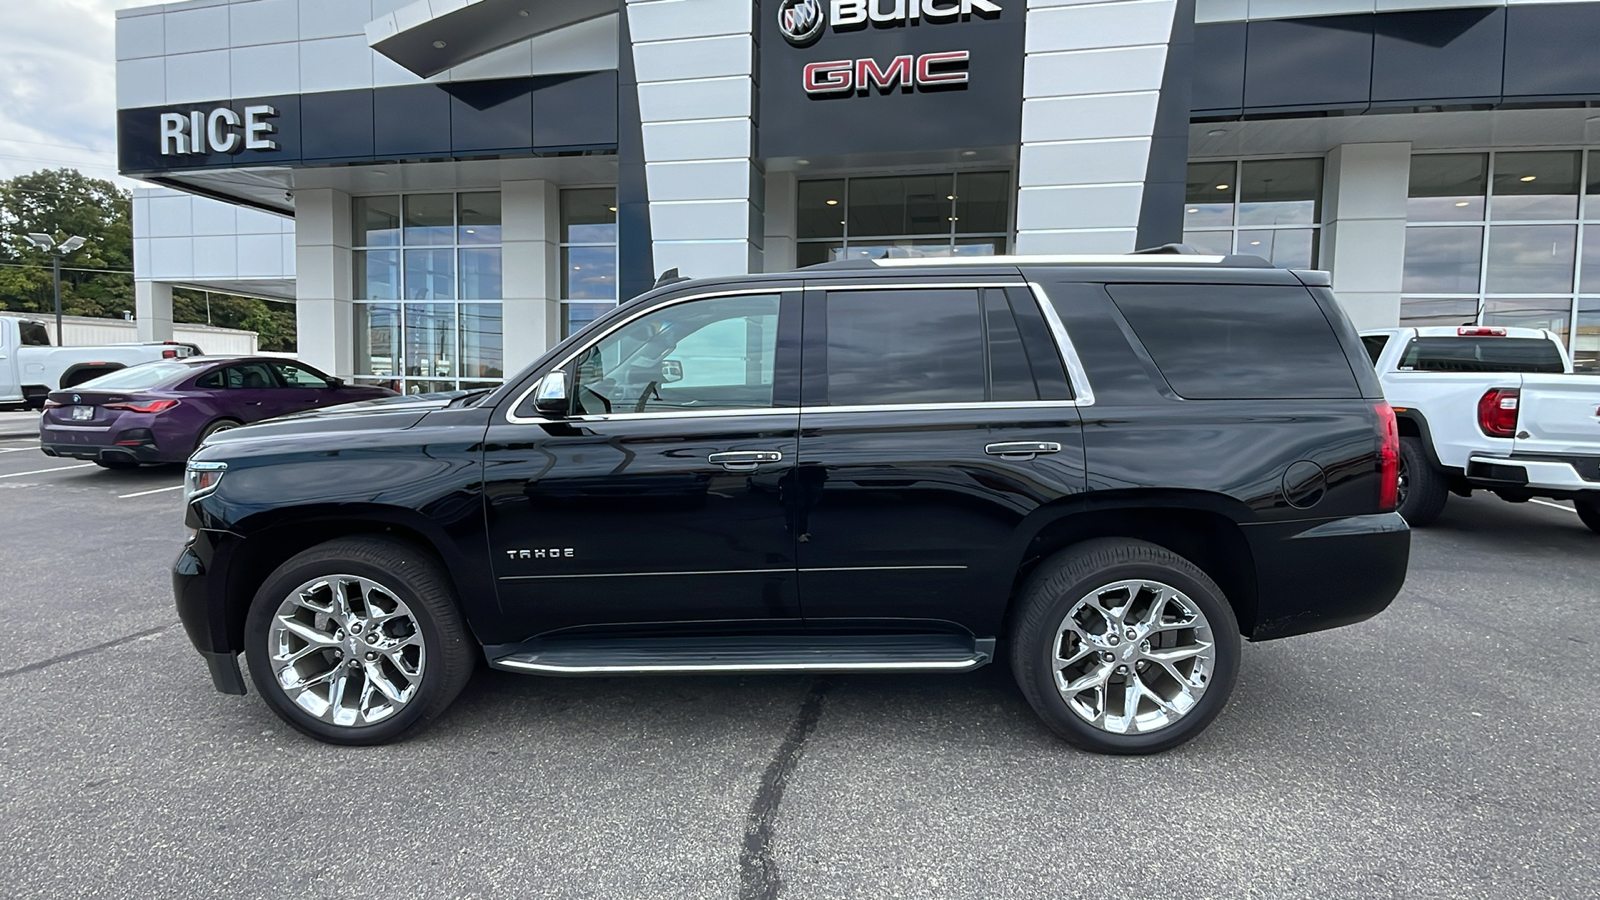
(839, 76)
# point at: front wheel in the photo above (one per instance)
(1423, 491)
(1124, 647)
(357, 641)
(1589, 512)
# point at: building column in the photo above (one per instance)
(324, 285)
(152, 310)
(530, 235)
(782, 224)
(694, 61)
(1364, 229)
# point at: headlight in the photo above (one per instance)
(201, 478)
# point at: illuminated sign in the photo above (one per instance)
(221, 130)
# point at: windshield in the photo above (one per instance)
(1482, 354)
(136, 378)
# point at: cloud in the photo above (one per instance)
(58, 106)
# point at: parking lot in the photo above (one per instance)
(1445, 749)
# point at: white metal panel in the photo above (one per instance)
(335, 64)
(141, 36)
(141, 83)
(264, 22)
(265, 71)
(194, 30)
(194, 77)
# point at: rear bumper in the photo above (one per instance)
(1316, 576)
(1531, 473)
(103, 443)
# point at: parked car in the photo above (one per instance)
(1112, 468)
(30, 368)
(160, 412)
(1489, 408)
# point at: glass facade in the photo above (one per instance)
(588, 255)
(1271, 208)
(428, 291)
(1506, 238)
(945, 214)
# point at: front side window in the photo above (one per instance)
(249, 377)
(903, 346)
(710, 354)
(299, 377)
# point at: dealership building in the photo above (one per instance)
(447, 187)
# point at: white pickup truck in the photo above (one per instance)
(30, 367)
(1489, 408)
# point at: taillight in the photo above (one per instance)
(169, 354)
(1497, 412)
(51, 404)
(1388, 459)
(154, 406)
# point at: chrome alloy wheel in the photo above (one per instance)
(1133, 657)
(346, 650)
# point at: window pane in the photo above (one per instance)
(820, 209)
(431, 340)
(589, 216)
(1544, 313)
(907, 248)
(574, 316)
(430, 274)
(983, 202)
(1290, 248)
(1421, 312)
(377, 274)
(1252, 342)
(377, 338)
(965, 246)
(1208, 199)
(1531, 259)
(480, 274)
(910, 346)
(1215, 243)
(589, 273)
(1280, 192)
(482, 354)
(1536, 185)
(1586, 339)
(377, 221)
(1443, 260)
(1448, 187)
(430, 219)
(480, 218)
(916, 204)
(1590, 281)
(811, 254)
(704, 354)
(1485, 354)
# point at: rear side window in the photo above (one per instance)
(904, 346)
(1238, 342)
(136, 378)
(1375, 344)
(34, 335)
(1482, 354)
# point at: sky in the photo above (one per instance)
(58, 69)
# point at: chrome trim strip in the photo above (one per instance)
(898, 286)
(728, 572)
(1085, 259)
(954, 665)
(1069, 354)
(819, 410)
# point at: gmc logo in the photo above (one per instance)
(930, 70)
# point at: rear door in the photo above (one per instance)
(925, 440)
(1560, 414)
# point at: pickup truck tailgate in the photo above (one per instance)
(1559, 414)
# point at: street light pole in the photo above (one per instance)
(55, 266)
(48, 244)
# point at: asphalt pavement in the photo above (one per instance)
(1446, 748)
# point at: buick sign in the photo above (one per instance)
(801, 21)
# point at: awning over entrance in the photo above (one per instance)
(430, 36)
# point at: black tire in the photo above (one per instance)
(1424, 490)
(1589, 512)
(1070, 576)
(214, 427)
(117, 464)
(413, 576)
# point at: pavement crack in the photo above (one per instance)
(758, 871)
(74, 654)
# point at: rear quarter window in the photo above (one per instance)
(1482, 354)
(34, 335)
(1238, 342)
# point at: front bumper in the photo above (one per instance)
(198, 593)
(1312, 576)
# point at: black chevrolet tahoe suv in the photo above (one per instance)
(1104, 470)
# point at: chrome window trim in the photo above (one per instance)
(912, 285)
(816, 410)
(1076, 374)
(1085, 259)
(727, 572)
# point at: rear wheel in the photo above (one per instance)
(1423, 491)
(1124, 647)
(1589, 512)
(358, 641)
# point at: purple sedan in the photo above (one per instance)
(162, 411)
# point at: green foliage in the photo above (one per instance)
(65, 202)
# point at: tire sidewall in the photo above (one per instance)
(257, 652)
(1052, 707)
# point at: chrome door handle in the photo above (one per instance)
(744, 460)
(1022, 449)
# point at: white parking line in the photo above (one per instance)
(16, 449)
(43, 471)
(147, 493)
(1555, 505)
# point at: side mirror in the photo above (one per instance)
(335, 383)
(671, 370)
(550, 397)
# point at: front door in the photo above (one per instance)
(660, 496)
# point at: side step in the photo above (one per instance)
(757, 653)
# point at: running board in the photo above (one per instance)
(764, 653)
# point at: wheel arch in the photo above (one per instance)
(1413, 423)
(1200, 527)
(70, 378)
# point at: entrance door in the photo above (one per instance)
(658, 498)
